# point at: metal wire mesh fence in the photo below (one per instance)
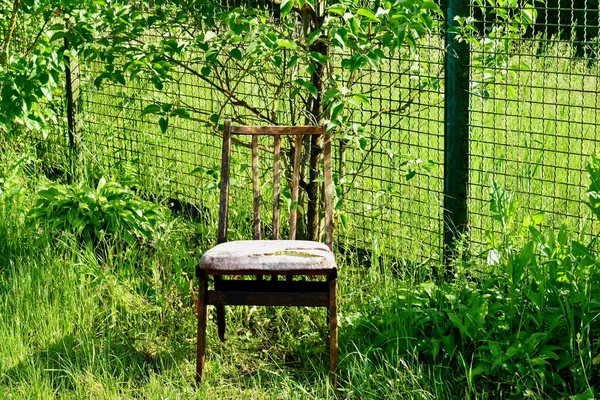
(532, 133)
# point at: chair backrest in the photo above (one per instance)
(277, 132)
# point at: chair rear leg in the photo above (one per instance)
(201, 334)
(333, 329)
(221, 327)
(221, 322)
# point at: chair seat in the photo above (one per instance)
(268, 256)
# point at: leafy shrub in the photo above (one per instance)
(593, 193)
(524, 323)
(109, 211)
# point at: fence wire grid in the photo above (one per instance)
(532, 134)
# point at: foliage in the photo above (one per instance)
(524, 325)
(11, 180)
(31, 66)
(493, 51)
(108, 211)
(224, 45)
(306, 61)
(593, 193)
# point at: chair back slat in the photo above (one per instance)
(276, 180)
(295, 186)
(276, 131)
(256, 187)
(224, 199)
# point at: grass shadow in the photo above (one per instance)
(66, 362)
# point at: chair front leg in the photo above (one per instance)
(202, 317)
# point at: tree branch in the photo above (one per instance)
(234, 100)
(9, 33)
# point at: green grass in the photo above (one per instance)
(119, 323)
(76, 324)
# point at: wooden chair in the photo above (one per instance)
(269, 257)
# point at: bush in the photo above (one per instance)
(111, 211)
(523, 322)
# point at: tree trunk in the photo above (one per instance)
(316, 142)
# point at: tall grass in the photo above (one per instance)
(120, 324)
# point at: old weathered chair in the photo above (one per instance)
(269, 257)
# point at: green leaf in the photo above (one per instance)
(336, 110)
(152, 109)
(236, 54)
(362, 143)
(181, 113)
(312, 90)
(318, 57)
(58, 35)
(365, 12)
(313, 36)
(330, 95)
(338, 9)
(164, 124)
(364, 100)
(286, 44)
(101, 184)
(286, 7)
(430, 5)
(341, 36)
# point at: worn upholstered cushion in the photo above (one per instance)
(268, 256)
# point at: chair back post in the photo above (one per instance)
(224, 199)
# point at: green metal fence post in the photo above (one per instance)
(456, 131)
